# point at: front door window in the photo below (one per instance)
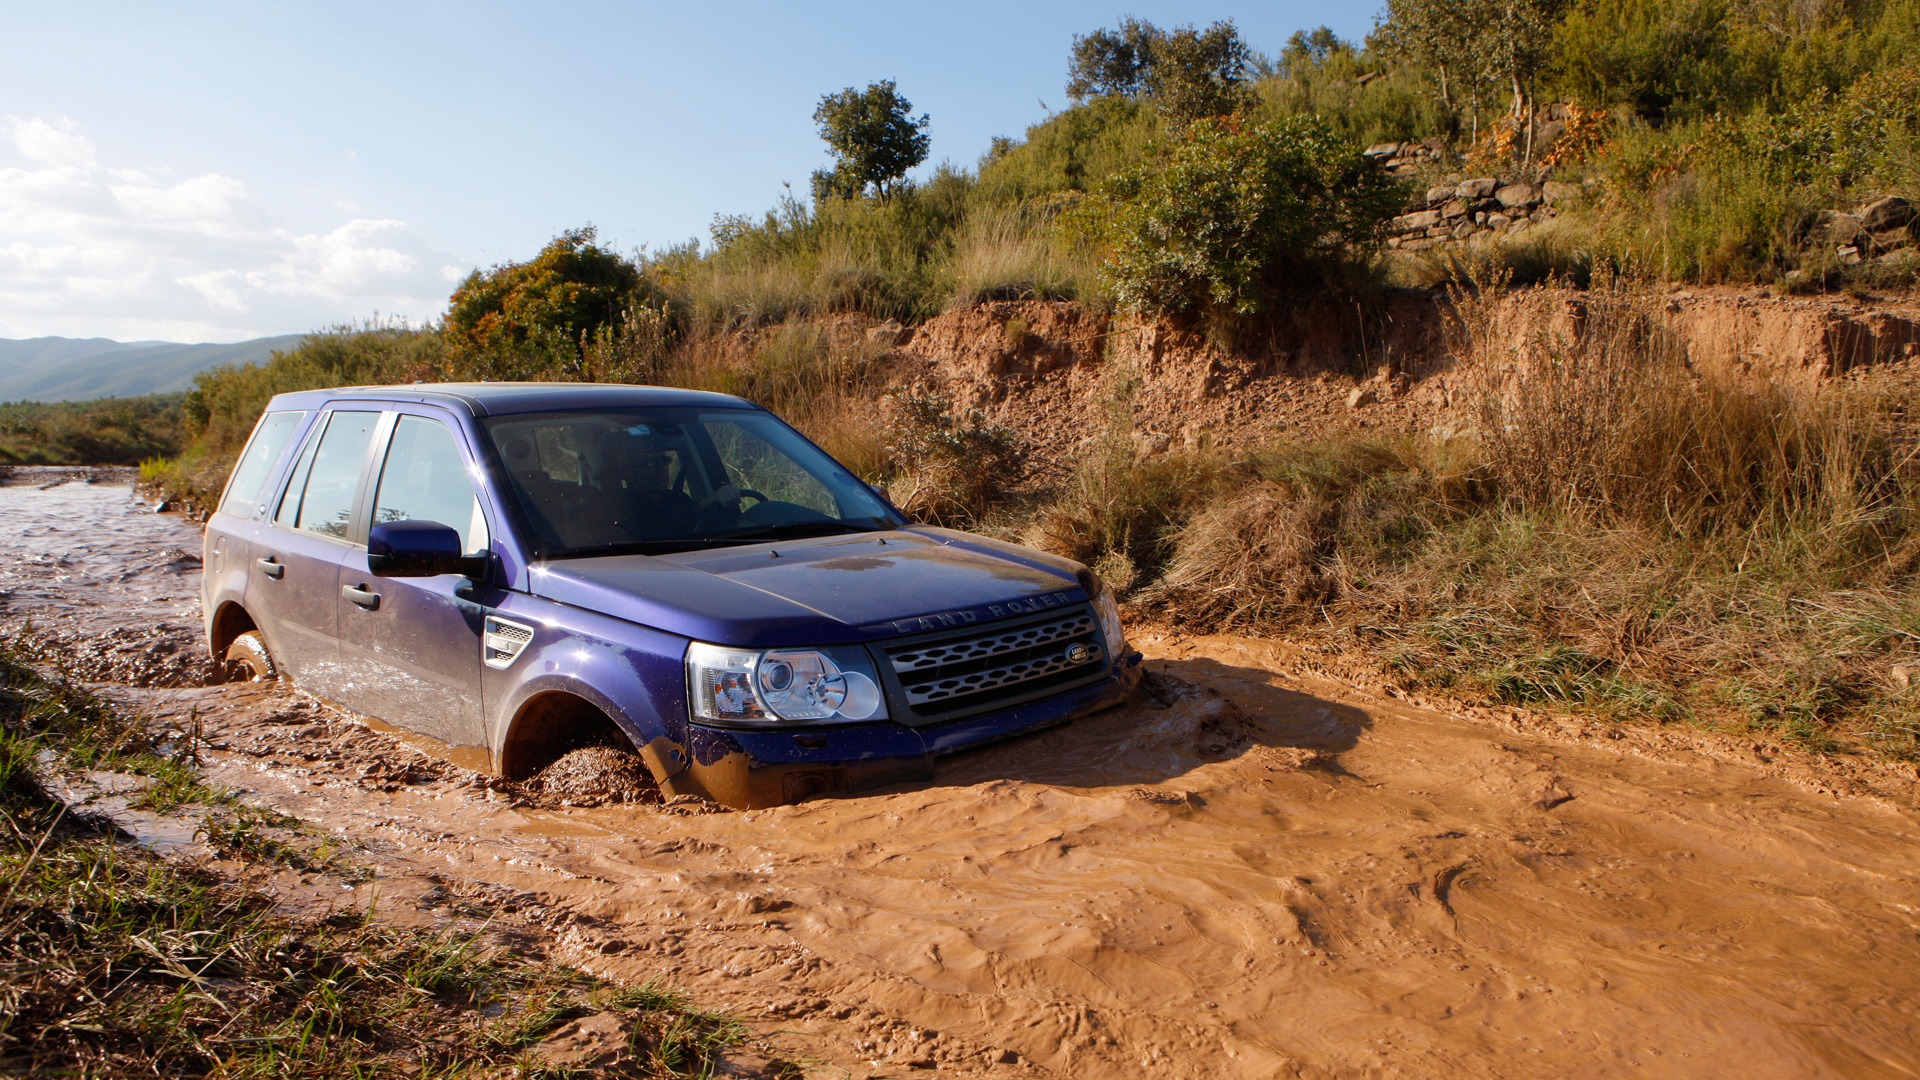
(425, 479)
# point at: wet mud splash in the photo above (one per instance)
(1254, 872)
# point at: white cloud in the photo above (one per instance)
(88, 250)
(58, 145)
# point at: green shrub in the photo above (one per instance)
(572, 300)
(105, 431)
(1236, 217)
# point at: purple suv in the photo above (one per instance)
(517, 570)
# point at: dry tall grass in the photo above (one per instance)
(1626, 534)
(1012, 253)
(1604, 418)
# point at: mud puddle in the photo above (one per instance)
(1254, 872)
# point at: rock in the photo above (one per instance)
(1498, 221)
(1422, 220)
(1837, 228)
(1464, 230)
(1150, 442)
(1454, 209)
(595, 1042)
(1902, 676)
(1381, 150)
(1806, 279)
(1849, 254)
(1555, 191)
(1891, 212)
(889, 335)
(1362, 397)
(1477, 189)
(1515, 195)
(1439, 194)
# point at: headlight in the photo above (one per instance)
(752, 686)
(1108, 612)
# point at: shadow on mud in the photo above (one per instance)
(1189, 713)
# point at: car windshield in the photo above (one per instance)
(659, 480)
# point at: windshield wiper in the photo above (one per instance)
(795, 530)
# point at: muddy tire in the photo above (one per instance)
(247, 660)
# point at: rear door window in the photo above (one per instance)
(320, 499)
(250, 475)
(425, 478)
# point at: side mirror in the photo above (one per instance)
(419, 549)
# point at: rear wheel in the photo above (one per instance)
(247, 660)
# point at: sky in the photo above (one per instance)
(222, 171)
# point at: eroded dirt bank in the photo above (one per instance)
(1257, 871)
(1055, 371)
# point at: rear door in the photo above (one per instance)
(293, 590)
(412, 645)
(244, 511)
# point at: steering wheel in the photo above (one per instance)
(708, 508)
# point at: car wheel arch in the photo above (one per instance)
(230, 620)
(553, 718)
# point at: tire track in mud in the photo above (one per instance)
(1244, 875)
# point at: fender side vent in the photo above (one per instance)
(503, 642)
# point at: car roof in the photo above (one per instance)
(504, 398)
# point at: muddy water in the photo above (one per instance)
(1255, 872)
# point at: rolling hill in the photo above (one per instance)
(77, 369)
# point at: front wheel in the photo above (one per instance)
(247, 660)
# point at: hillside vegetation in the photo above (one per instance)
(1632, 538)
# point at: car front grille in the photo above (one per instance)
(979, 668)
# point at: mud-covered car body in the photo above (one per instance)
(754, 648)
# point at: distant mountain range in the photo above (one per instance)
(74, 369)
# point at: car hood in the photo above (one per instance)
(821, 591)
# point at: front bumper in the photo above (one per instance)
(749, 769)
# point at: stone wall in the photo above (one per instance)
(1460, 208)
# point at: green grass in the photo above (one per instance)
(115, 962)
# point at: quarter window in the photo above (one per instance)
(425, 479)
(320, 499)
(250, 475)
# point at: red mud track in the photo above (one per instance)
(1257, 871)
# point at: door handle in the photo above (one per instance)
(270, 566)
(361, 595)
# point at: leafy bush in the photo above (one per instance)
(106, 431)
(1238, 216)
(519, 318)
(948, 469)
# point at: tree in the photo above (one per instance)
(1442, 35)
(1188, 73)
(1112, 61)
(875, 137)
(1477, 45)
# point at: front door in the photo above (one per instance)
(412, 645)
